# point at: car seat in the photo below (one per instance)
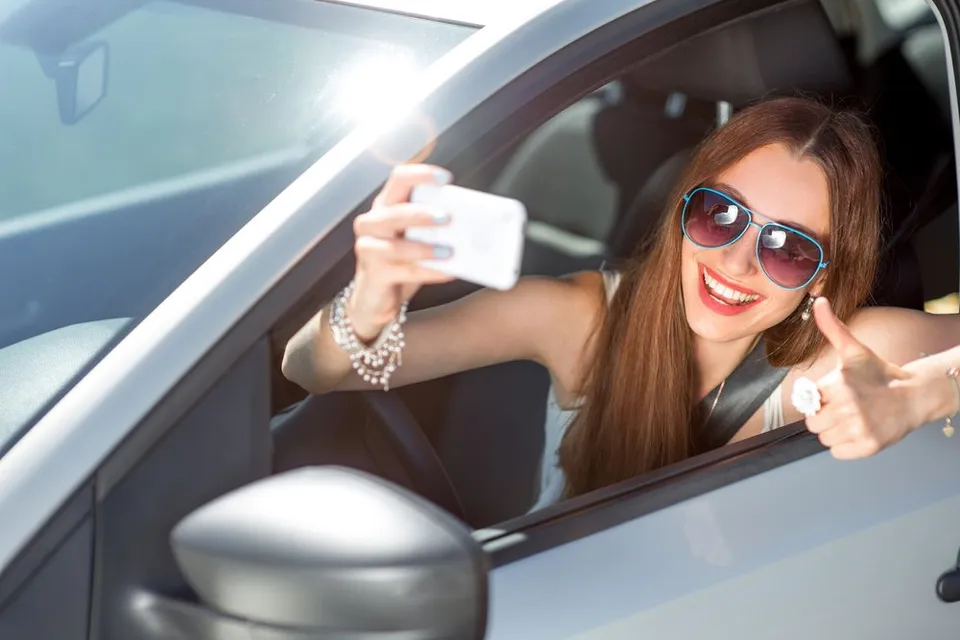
(780, 50)
(570, 203)
(920, 183)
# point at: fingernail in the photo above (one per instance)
(442, 251)
(442, 176)
(440, 217)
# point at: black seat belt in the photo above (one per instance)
(747, 387)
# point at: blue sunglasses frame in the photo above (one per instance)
(750, 223)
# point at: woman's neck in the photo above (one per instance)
(716, 360)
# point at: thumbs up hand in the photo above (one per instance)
(866, 402)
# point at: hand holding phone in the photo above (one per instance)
(485, 233)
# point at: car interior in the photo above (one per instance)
(594, 178)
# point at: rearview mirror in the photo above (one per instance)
(81, 79)
(332, 552)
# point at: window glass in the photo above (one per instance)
(183, 87)
(137, 137)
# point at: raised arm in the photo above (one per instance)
(484, 328)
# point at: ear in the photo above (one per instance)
(816, 288)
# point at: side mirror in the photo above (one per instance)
(81, 79)
(332, 552)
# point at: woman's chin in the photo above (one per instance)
(713, 328)
(719, 334)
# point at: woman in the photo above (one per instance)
(777, 207)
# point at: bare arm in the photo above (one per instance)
(925, 345)
(902, 335)
(484, 328)
(878, 387)
(898, 336)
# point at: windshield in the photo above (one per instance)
(137, 137)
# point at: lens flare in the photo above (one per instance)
(375, 88)
(381, 90)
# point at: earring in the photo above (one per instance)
(807, 309)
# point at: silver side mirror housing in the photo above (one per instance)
(334, 552)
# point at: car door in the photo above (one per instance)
(778, 540)
(137, 139)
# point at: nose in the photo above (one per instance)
(740, 259)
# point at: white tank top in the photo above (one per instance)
(551, 477)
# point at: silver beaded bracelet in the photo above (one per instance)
(376, 363)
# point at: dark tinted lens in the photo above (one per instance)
(788, 258)
(711, 220)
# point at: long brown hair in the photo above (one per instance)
(638, 392)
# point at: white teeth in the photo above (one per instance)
(725, 293)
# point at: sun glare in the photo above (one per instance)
(375, 88)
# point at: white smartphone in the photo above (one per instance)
(485, 232)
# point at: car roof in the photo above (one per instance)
(473, 12)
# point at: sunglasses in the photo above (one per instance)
(789, 258)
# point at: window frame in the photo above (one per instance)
(558, 524)
(557, 82)
(580, 517)
(501, 119)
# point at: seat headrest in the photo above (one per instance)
(787, 47)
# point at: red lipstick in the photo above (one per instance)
(715, 305)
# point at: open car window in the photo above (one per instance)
(139, 136)
(595, 178)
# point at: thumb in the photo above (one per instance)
(837, 333)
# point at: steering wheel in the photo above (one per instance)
(415, 451)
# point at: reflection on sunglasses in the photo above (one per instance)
(774, 239)
(727, 217)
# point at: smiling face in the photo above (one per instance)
(777, 186)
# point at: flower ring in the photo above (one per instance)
(806, 396)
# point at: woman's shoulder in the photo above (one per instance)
(575, 299)
(570, 305)
(895, 334)
(602, 283)
(594, 289)
(547, 304)
(901, 335)
(580, 289)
